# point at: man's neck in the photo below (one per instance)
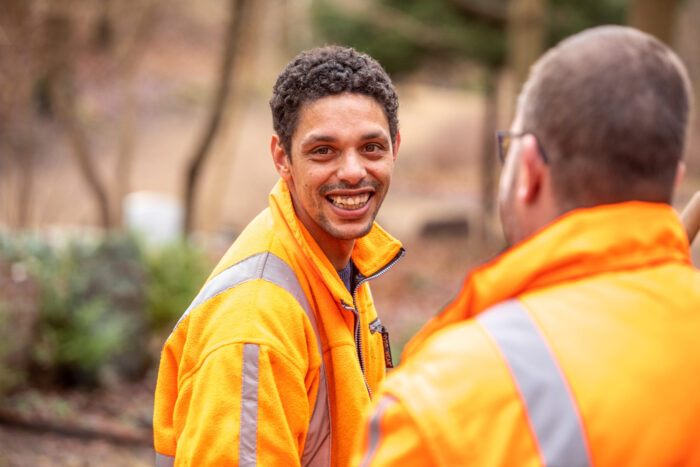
(338, 252)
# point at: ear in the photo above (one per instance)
(531, 171)
(397, 143)
(680, 174)
(280, 159)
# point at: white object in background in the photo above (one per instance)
(158, 217)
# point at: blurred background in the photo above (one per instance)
(134, 147)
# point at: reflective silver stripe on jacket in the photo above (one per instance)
(271, 268)
(552, 412)
(164, 461)
(375, 429)
(248, 439)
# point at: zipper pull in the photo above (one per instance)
(377, 326)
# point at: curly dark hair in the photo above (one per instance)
(327, 71)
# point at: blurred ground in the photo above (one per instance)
(78, 428)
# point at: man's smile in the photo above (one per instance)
(349, 202)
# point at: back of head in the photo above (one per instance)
(610, 107)
(326, 71)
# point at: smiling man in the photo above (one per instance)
(276, 359)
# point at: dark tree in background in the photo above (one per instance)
(18, 66)
(239, 12)
(656, 17)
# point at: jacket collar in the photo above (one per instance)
(371, 254)
(579, 244)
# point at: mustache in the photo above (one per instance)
(375, 185)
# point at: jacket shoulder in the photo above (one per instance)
(456, 364)
(459, 391)
(256, 312)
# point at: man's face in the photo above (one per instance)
(341, 163)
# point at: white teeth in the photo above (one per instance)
(350, 202)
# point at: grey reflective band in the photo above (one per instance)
(164, 461)
(271, 268)
(552, 412)
(374, 429)
(248, 442)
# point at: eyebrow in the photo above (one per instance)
(375, 135)
(319, 138)
(313, 139)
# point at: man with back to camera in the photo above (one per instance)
(275, 361)
(579, 345)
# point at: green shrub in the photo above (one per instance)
(19, 298)
(176, 272)
(92, 311)
(95, 301)
(10, 375)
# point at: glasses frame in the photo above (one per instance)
(502, 136)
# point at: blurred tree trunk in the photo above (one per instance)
(526, 35)
(239, 13)
(60, 52)
(129, 49)
(526, 31)
(488, 154)
(17, 140)
(653, 16)
(64, 98)
(103, 33)
(24, 154)
(245, 79)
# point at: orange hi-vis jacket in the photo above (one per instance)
(272, 343)
(579, 346)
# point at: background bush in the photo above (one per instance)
(95, 302)
(175, 273)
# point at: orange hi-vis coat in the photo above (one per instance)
(212, 408)
(579, 346)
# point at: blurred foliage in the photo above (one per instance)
(175, 274)
(461, 35)
(90, 312)
(99, 299)
(570, 16)
(401, 50)
(10, 375)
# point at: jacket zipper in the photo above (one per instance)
(358, 331)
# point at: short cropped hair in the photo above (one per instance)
(610, 106)
(327, 71)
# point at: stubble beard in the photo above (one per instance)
(338, 232)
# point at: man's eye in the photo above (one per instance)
(324, 150)
(372, 147)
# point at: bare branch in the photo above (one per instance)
(239, 11)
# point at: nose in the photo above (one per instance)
(352, 168)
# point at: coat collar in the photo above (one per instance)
(579, 244)
(371, 253)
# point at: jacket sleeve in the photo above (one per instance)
(237, 381)
(391, 437)
(246, 405)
